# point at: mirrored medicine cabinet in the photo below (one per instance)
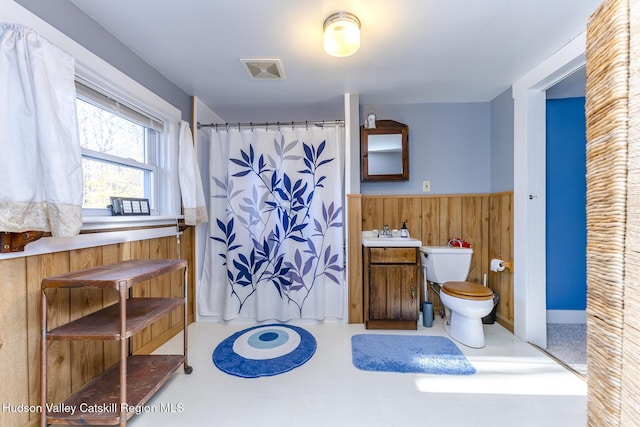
(385, 151)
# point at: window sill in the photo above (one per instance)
(99, 223)
(105, 230)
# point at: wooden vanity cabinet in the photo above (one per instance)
(391, 291)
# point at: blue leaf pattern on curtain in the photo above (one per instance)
(282, 228)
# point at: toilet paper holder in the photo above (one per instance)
(504, 264)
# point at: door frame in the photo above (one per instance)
(529, 95)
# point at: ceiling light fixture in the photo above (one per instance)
(341, 34)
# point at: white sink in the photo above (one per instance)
(370, 240)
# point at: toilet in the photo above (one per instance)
(465, 303)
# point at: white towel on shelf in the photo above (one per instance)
(195, 209)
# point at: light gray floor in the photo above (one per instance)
(515, 385)
(568, 343)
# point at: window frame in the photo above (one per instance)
(164, 184)
(153, 129)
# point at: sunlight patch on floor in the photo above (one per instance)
(505, 375)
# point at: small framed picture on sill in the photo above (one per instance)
(129, 206)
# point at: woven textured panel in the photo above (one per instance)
(607, 115)
(631, 335)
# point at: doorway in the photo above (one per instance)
(529, 93)
(566, 235)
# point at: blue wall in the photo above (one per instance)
(566, 204)
(449, 145)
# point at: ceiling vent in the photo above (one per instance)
(264, 69)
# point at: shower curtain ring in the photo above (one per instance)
(278, 124)
(291, 125)
(306, 124)
(251, 126)
(322, 126)
(238, 126)
(216, 127)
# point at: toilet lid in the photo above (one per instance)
(467, 290)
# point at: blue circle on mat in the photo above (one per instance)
(249, 346)
(267, 338)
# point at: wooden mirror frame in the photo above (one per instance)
(384, 127)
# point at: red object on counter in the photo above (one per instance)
(457, 242)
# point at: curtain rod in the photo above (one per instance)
(252, 125)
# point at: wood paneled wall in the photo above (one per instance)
(485, 220)
(71, 364)
(501, 246)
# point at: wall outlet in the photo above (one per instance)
(426, 186)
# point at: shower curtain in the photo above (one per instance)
(276, 242)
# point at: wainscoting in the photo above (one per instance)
(73, 364)
(485, 220)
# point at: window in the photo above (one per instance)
(120, 147)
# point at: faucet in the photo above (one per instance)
(385, 231)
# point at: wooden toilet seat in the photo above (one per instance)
(467, 290)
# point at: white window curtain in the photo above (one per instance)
(40, 161)
(195, 209)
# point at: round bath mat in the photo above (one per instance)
(264, 350)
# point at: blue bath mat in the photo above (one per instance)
(264, 350)
(409, 353)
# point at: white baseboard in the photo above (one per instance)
(566, 316)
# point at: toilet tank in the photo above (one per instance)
(446, 264)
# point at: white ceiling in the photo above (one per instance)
(412, 51)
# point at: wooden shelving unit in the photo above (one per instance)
(129, 384)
